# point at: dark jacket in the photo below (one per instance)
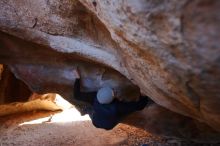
(107, 116)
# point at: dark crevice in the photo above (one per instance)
(12, 89)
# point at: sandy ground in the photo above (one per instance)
(62, 129)
(24, 129)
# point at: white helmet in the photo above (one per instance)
(105, 95)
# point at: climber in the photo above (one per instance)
(107, 111)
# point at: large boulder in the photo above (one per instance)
(170, 49)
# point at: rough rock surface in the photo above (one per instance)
(51, 133)
(1, 70)
(11, 88)
(50, 71)
(169, 48)
(40, 128)
(45, 102)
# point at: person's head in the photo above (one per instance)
(105, 95)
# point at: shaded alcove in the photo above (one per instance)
(11, 88)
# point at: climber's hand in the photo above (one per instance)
(76, 73)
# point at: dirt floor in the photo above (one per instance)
(68, 128)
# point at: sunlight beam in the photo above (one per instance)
(69, 114)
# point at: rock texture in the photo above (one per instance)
(50, 71)
(1, 70)
(47, 102)
(170, 48)
(163, 122)
(11, 88)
